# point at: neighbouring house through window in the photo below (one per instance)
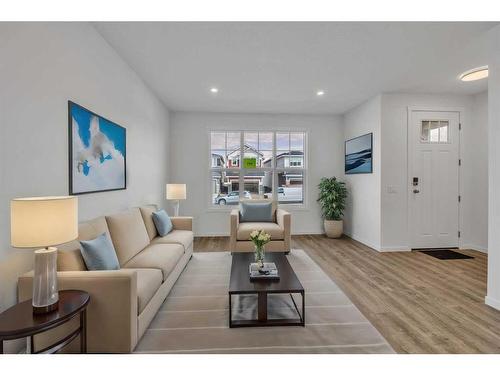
(257, 165)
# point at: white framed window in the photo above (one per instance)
(434, 131)
(257, 165)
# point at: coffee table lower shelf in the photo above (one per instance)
(263, 320)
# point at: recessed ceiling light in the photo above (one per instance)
(474, 74)
(320, 93)
(214, 90)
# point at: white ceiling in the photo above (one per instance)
(278, 67)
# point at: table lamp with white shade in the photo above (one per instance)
(176, 192)
(44, 222)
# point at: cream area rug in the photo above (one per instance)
(194, 317)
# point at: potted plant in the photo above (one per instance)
(332, 196)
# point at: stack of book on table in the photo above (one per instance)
(268, 272)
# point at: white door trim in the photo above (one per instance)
(461, 116)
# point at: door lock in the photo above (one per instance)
(416, 191)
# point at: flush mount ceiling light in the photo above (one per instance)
(214, 90)
(474, 74)
(320, 93)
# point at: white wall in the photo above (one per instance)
(41, 67)
(493, 296)
(362, 215)
(474, 179)
(395, 162)
(377, 209)
(189, 162)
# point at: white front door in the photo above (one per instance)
(433, 161)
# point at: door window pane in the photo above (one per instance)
(443, 132)
(434, 131)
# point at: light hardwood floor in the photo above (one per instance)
(418, 303)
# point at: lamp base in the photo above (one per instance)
(45, 291)
(176, 208)
(45, 309)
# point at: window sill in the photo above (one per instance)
(286, 207)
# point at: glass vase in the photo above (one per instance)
(259, 256)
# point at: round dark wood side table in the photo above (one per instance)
(19, 321)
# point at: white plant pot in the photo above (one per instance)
(334, 228)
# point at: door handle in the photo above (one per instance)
(416, 191)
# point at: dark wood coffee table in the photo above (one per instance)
(287, 284)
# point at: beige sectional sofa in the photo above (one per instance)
(122, 302)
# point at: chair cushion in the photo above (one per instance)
(244, 230)
(128, 234)
(162, 222)
(256, 212)
(99, 254)
(183, 237)
(262, 200)
(147, 216)
(148, 282)
(160, 256)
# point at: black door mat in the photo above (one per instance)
(445, 254)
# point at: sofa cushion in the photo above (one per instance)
(160, 256)
(183, 237)
(162, 222)
(128, 233)
(90, 229)
(147, 216)
(148, 282)
(99, 254)
(244, 230)
(69, 257)
(256, 212)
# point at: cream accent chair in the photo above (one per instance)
(122, 302)
(279, 230)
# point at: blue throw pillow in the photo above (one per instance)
(162, 222)
(256, 211)
(99, 254)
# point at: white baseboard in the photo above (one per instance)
(364, 242)
(211, 234)
(492, 302)
(474, 247)
(394, 249)
(219, 234)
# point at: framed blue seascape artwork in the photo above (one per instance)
(97, 152)
(358, 154)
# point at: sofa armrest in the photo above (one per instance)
(234, 221)
(112, 310)
(283, 219)
(182, 222)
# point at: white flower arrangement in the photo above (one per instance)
(260, 238)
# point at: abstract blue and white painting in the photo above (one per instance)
(358, 154)
(97, 152)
